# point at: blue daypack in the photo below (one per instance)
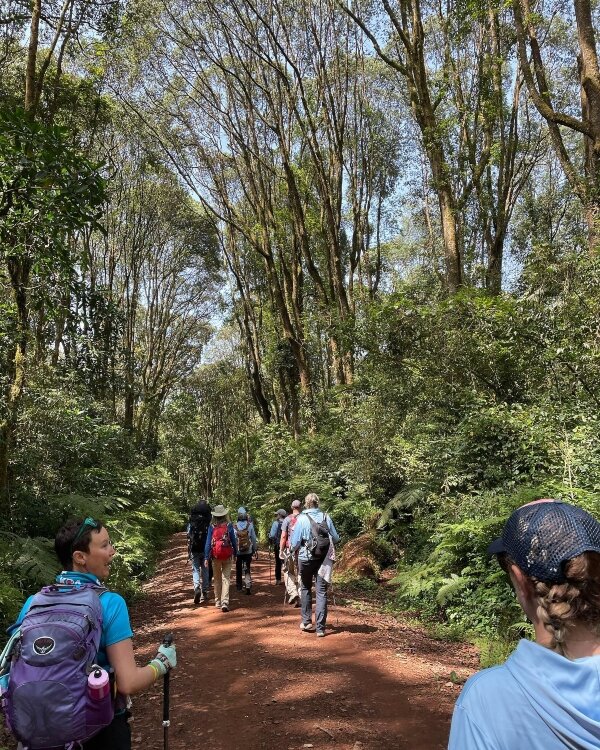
(47, 703)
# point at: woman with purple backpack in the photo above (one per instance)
(85, 551)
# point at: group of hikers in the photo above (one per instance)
(303, 544)
(68, 669)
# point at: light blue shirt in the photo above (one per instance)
(536, 700)
(301, 532)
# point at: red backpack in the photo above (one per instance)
(290, 528)
(221, 548)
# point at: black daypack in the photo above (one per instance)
(199, 524)
(319, 540)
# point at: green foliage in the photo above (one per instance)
(72, 462)
(46, 188)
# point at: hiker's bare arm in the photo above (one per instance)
(131, 679)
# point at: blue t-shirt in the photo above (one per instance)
(536, 700)
(302, 531)
(115, 617)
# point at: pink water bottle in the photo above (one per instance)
(98, 683)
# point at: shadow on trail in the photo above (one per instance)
(250, 679)
(355, 629)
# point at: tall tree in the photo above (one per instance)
(532, 26)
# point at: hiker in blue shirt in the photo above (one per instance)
(85, 551)
(310, 563)
(247, 545)
(275, 538)
(220, 550)
(546, 696)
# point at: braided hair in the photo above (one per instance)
(576, 601)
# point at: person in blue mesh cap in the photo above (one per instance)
(546, 696)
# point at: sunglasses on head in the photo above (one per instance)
(88, 523)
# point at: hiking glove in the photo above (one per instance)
(165, 659)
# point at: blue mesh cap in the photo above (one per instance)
(541, 536)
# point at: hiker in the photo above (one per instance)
(546, 695)
(199, 522)
(312, 535)
(220, 549)
(85, 552)
(246, 547)
(290, 559)
(274, 540)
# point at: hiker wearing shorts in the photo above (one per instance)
(220, 550)
(310, 565)
(246, 547)
(546, 696)
(86, 553)
(289, 558)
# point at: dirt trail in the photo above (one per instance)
(249, 679)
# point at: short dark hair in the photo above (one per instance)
(64, 541)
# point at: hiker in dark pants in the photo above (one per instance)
(311, 559)
(275, 539)
(246, 547)
(85, 552)
(198, 524)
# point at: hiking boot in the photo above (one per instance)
(320, 634)
(306, 628)
(224, 608)
(197, 595)
(248, 590)
(218, 605)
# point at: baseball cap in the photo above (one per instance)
(281, 512)
(541, 536)
(296, 504)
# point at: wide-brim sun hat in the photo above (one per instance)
(219, 511)
(542, 536)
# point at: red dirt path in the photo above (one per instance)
(249, 679)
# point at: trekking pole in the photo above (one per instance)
(284, 589)
(270, 568)
(168, 640)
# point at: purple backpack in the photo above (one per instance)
(48, 704)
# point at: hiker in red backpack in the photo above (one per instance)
(221, 548)
(85, 552)
(290, 560)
